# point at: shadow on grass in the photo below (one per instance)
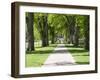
(71, 49)
(56, 52)
(82, 55)
(39, 52)
(72, 46)
(47, 52)
(74, 49)
(52, 45)
(82, 62)
(43, 50)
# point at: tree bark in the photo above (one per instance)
(43, 29)
(76, 33)
(86, 32)
(76, 38)
(30, 32)
(45, 41)
(72, 29)
(52, 36)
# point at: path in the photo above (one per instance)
(60, 56)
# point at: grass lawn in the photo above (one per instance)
(80, 55)
(37, 58)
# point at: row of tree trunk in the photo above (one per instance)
(43, 29)
(72, 31)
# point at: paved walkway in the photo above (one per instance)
(60, 56)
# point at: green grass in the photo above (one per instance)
(37, 58)
(80, 55)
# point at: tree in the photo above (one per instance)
(52, 33)
(76, 31)
(30, 31)
(70, 28)
(86, 32)
(43, 28)
(45, 41)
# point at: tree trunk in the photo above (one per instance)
(52, 36)
(86, 32)
(45, 41)
(30, 32)
(76, 33)
(76, 36)
(72, 29)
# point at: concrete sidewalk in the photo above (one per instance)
(60, 56)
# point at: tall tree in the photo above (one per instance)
(45, 41)
(30, 31)
(86, 32)
(43, 28)
(76, 32)
(71, 28)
